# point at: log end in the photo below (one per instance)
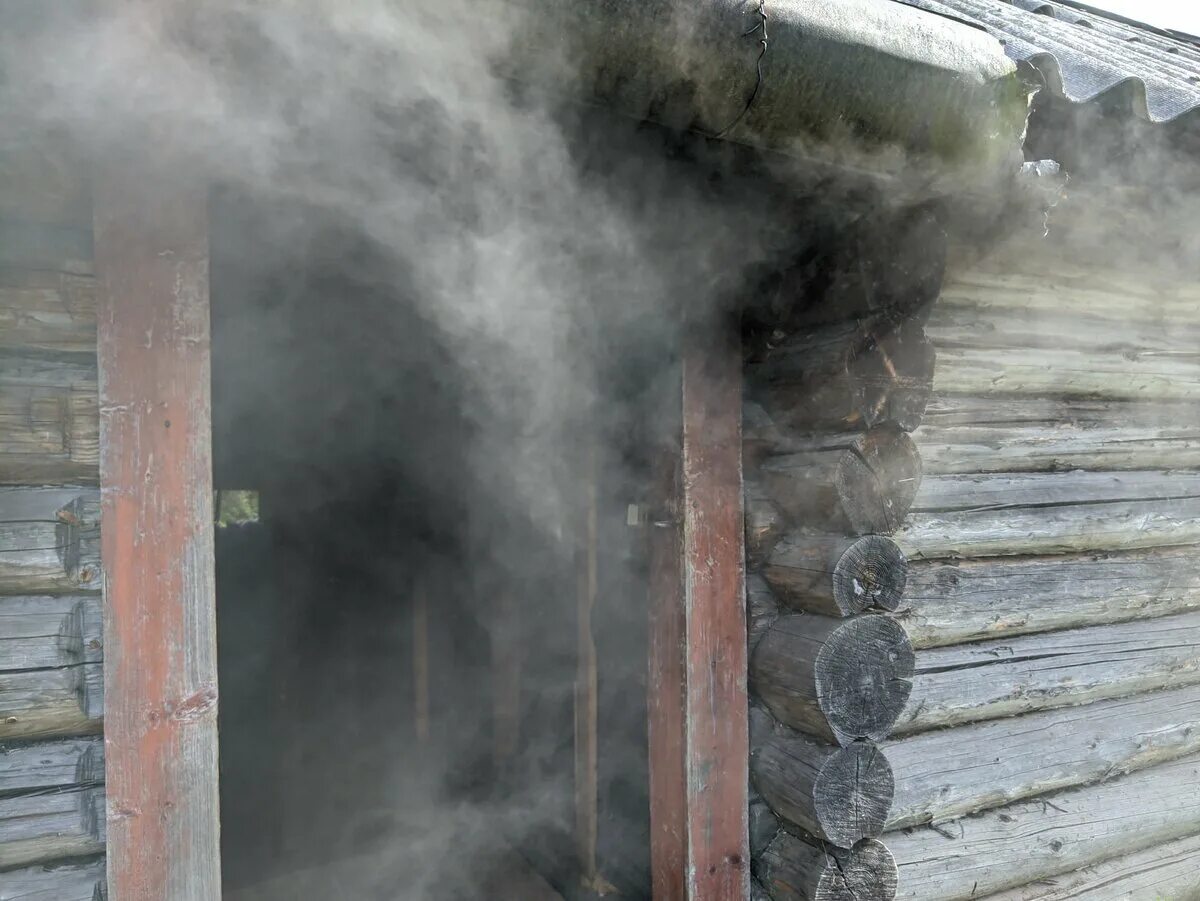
(872, 572)
(853, 794)
(877, 481)
(891, 377)
(863, 677)
(793, 870)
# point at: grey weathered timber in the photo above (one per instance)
(762, 608)
(1051, 513)
(949, 773)
(46, 310)
(837, 576)
(971, 434)
(49, 435)
(1043, 837)
(71, 881)
(51, 631)
(1167, 872)
(765, 523)
(764, 824)
(955, 601)
(836, 794)
(51, 826)
(25, 766)
(47, 702)
(49, 540)
(855, 483)
(792, 869)
(846, 375)
(989, 679)
(839, 679)
(21, 366)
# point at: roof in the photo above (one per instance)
(1085, 57)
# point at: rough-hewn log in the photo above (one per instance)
(22, 366)
(46, 702)
(1051, 513)
(847, 375)
(1168, 872)
(41, 632)
(49, 540)
(836, 794)
(51, 764)
(762, 608)
(1042, 837)
(44, 310)
(989, 679)
(764, 824)
(860, 484)
(949, 773)
(51, 826)
(49, 435)
(1029, 434)
(956, 601)
(840, 679)
(56, 882)
(765, 524)
(59, 248)
(794, 870)
(837, 576)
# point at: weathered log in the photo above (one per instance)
(49, 540)
(762, 608)
(49, 435)
(765, 523)
(764, 824)
(41, 632)
(1168, 872)
(72, 881)
(794, 870)
(836, 794)
(51, 826)
(58, 248)
(51, 764)
(43, 310)
(838, 576)
(990, 679)
(956, 601)
(48, 702)
(847, 375)
(1051, 513)
(22, 366)
(1029, 434)
(860, 484)
(1042, 837)
(839, 679)
(949, 773)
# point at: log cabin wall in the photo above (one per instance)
(52, 811)
(974, 605)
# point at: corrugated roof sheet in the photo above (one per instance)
(1085, 57)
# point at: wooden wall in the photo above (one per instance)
(52, 811)
(974, 624)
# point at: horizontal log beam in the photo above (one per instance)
(1029, 434)
(990, 679)
(49, 435)
(1009, 491)
(1167, 872)
(49, 540)
(949, 773)
(838, 679)
(837, 576)
(957, 601)
(836, 794)
(42, 632)
(50, 702)
(858, 484)
(71, 881)
(53, 247)
(52, 826)
(1043, 837)
(792, 869)
(765, 524)
(44, 310)
(51, 764)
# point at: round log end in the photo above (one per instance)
(853, 793)
(863, 677)
(872, 572)
(793, 870)
(877, 480)
(891, 377)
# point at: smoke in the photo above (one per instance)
(506, 273)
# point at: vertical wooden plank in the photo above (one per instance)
(160, 665)
(698, 704)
